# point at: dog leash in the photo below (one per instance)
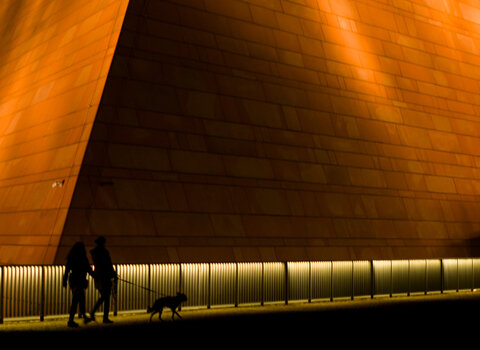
(142, 287)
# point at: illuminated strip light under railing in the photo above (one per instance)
(36, 291)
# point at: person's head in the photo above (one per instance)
(78, 250)
(100, 240)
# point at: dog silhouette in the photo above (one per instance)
(171, 302)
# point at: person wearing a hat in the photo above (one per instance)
(104, 275)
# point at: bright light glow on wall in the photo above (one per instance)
(468, 12)
(351, 47)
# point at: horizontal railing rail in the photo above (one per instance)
(37, 291)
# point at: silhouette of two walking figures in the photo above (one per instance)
(76, 271)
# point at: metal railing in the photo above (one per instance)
(37, 292)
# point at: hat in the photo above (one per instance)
(100, 240)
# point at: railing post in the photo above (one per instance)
(149, 285)
(263, 285)
(353, 281)
(236, 284)
(408, 273)
(372, 280)
(180, 286)
(331, 280)
(442, 281)
(115, 294)
(473, 277)
(2, 294)
(309, 281)
(426, 276)
(458, 277)
(286, 282)
(391, 278)
(209, 281)
(42, 294)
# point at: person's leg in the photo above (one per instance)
(81, 306)
(106, 306)
(73, 307)
(97, 305)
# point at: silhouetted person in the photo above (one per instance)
(75, 275)
(104, 276)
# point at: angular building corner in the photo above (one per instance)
(55, 59)
(239, 130)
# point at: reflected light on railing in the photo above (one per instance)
(32, 291)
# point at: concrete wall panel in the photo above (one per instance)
(54, 62)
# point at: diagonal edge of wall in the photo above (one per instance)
(54, 63)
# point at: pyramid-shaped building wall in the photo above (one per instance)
(245, 130)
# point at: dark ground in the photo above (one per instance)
(427, 321)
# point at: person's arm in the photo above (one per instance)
(65, 275)
(112, 272)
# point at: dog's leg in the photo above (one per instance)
(174, 311)
(153, 313)
(160, 314)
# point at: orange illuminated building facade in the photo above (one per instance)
(239, 130)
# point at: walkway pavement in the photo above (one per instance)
(432, 318)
